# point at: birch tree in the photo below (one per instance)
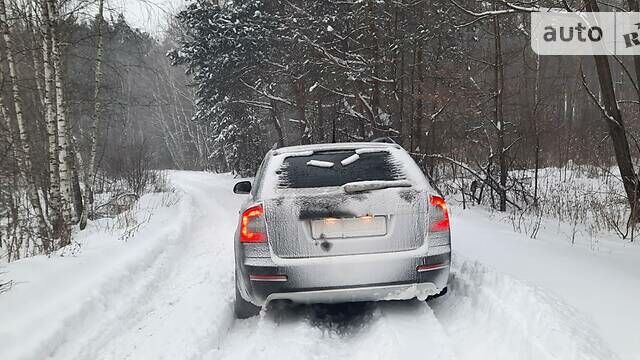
(51, 122)
(61, 119)
(25, 158)
(97, 116)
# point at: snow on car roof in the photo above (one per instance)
(334, 146)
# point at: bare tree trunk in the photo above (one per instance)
(319, 130)
(75, 166)
(90, 168)
(421, 126)
(299, 92)
(536, 100)
(374, 106)
(413, 129)
(634, 7)
(617, 130)
(499, 89)
(275, 118)
(27, 167)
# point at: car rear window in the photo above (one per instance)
(314, 171)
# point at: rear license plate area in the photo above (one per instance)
(340, 228)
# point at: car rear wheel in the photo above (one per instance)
(243, 308)
(441, 293)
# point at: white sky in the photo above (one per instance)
(148, 15)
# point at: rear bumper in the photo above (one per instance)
(368, 293)
(343, 279)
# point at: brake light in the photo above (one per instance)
(439, 217)
(253, 228)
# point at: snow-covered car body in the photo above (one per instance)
(340, 222)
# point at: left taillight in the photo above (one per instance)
(439, 215)
(253, 228)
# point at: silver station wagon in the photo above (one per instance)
(332, 223)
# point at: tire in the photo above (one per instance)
(244, 309)
(441, 293)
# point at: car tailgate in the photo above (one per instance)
(334, 223)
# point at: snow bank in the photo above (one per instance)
(494, 316)
(189, 309)
(166, 292)
(54, 296)
(601, 282)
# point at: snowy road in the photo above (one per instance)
(177, 304)
(186, 305)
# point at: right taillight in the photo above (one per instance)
(438, 214)
(253, 228)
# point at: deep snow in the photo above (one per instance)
(167, 292)
(601, 282)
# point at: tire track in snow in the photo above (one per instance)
(494, 316)
(110, 297)
(486, 315)
(184, 305)
(384, 330)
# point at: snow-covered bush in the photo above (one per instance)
(590, 199)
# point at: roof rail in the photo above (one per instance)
(385, 139)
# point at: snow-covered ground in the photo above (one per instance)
(167, 293)
(599, 284)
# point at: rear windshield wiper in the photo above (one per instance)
(360, 186)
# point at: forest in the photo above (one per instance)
(93, 109)
(89, 106)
